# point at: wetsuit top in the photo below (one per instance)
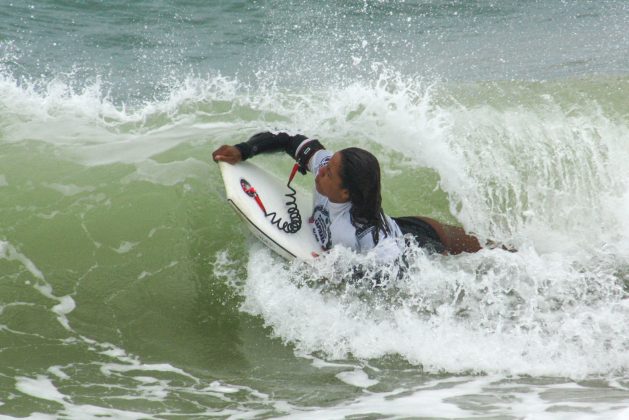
(331, 222)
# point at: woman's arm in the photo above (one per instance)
(299, 147)
(268, 143)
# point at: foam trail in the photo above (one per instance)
(43, 388)
(492, 312)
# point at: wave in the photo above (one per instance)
(514, 159)
(539, 166)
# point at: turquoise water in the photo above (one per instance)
(130, 289)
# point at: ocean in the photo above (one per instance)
(130, 289)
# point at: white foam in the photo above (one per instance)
(69, 190)
(65, 306)
(50, 215)
(357, 378)
(87, 411)
(7, 251)
(145, 274)
(58, 372)
(622, 414)
(461, 398)
(216, 386)
(39, 387)
(109, 368)
(66, 303)
(87, 126)
(550, 172)
(321, 363)
(125, 247)
(42, 387)
(492, 312)
(431, 400)
(169, 174)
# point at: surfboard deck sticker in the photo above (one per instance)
(271, 190)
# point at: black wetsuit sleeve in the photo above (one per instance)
(269, 142)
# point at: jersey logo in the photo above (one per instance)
(325, 161)
(321, 226)
(362, 231)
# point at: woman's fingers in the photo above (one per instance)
(225, 153)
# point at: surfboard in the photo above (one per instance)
(260, 199)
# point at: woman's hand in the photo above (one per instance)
(229, 154)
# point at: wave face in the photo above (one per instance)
(130, 289)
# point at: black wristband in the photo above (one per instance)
(245, 150)
(306, 152)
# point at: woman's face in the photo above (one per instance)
(328, 181)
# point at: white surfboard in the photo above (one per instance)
(239, 180)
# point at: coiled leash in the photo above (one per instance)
(292, 226)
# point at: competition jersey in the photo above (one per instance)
(331, 222)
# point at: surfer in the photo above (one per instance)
(348, 204)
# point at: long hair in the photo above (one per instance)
(360, 175)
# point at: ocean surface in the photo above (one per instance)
(130, 289)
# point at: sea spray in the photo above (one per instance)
(490, 312)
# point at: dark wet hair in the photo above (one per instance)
(360, 175)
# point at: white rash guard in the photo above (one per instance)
(331, 222)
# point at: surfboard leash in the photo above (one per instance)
(294, 223)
